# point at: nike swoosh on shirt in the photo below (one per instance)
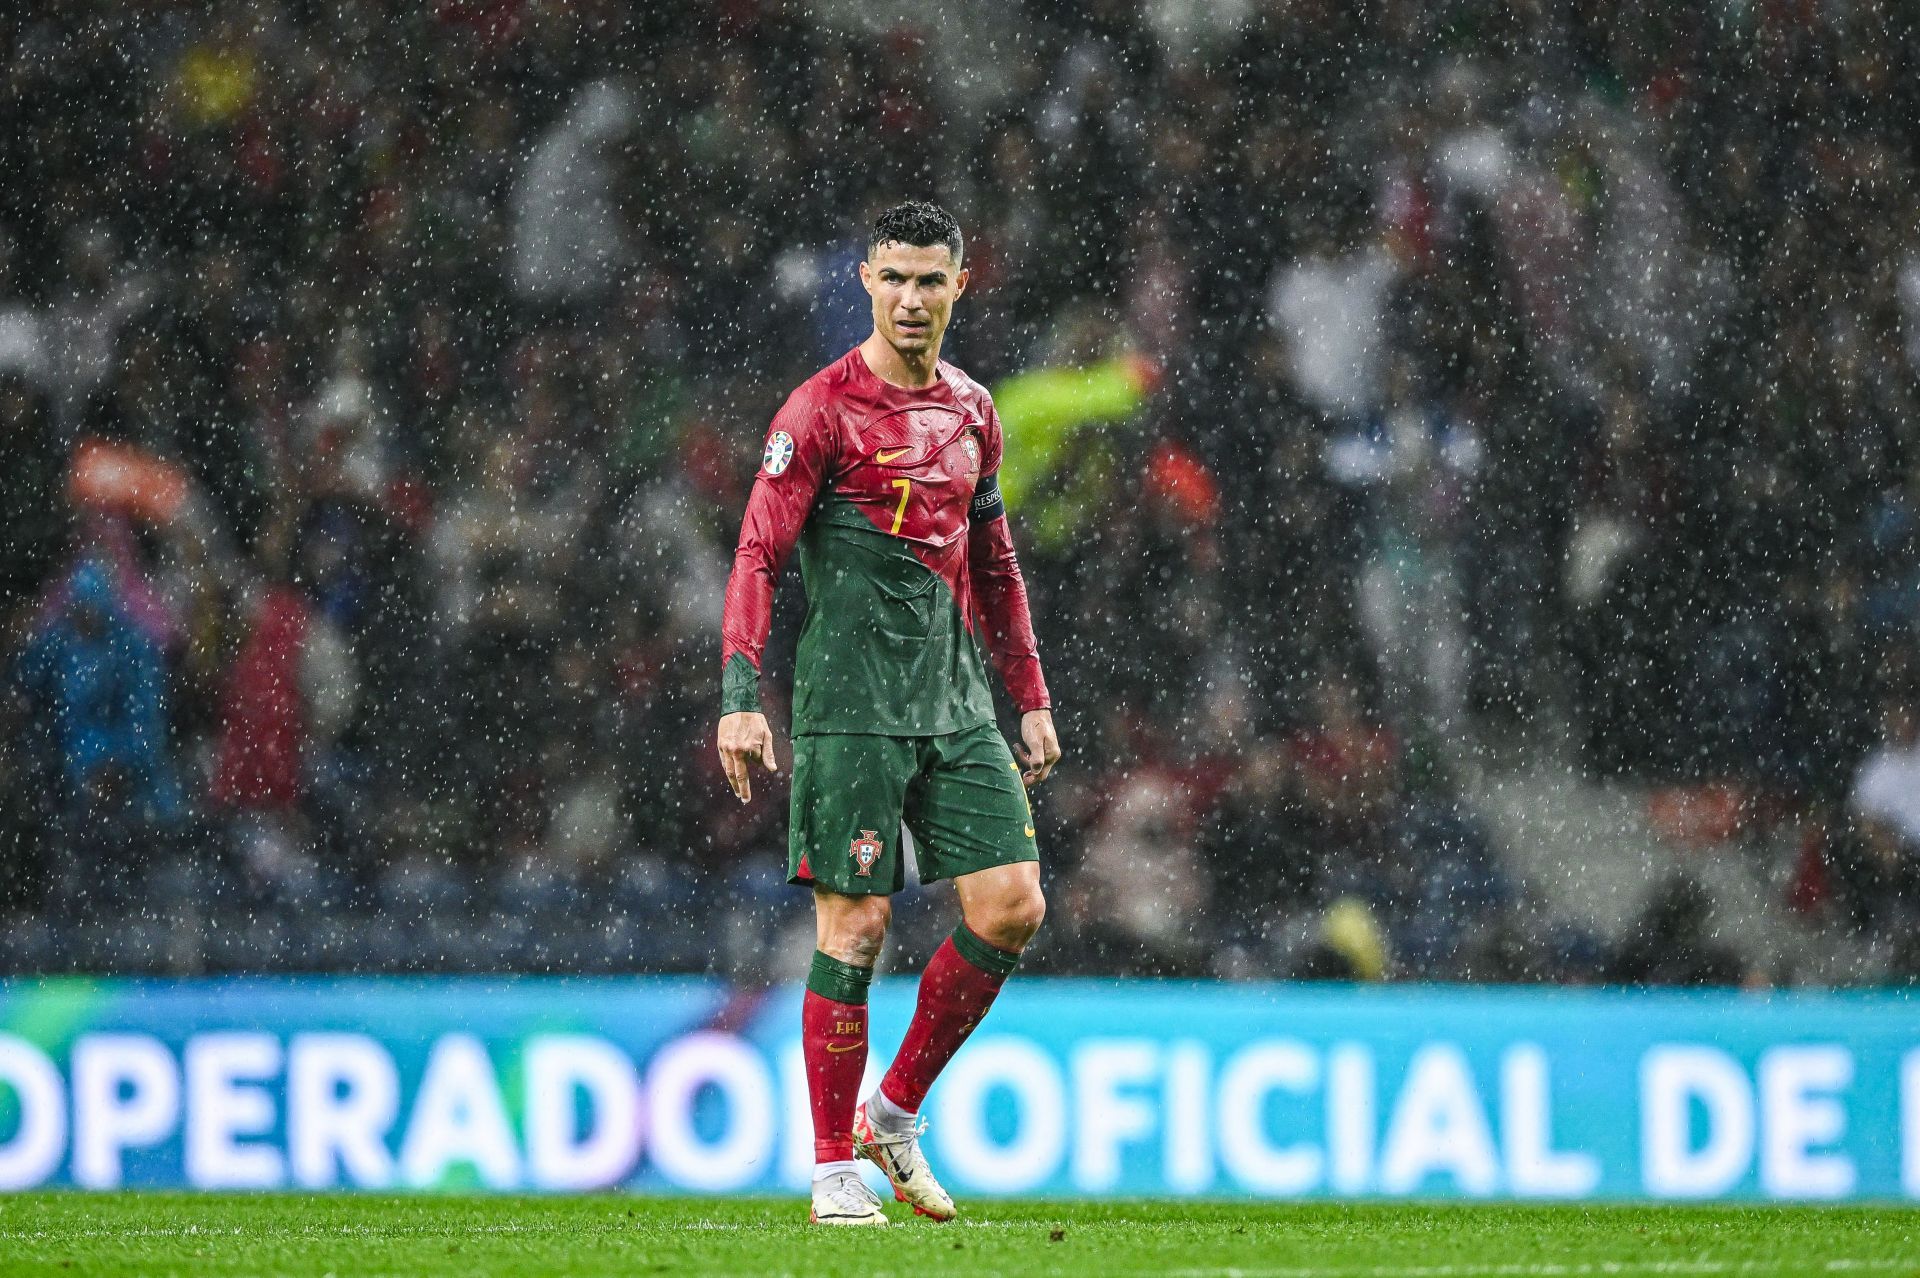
(883, 456)
(837, 1048)
(1029, 832)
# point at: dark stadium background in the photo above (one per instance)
(1496, 555)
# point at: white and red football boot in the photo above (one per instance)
(897, 1153)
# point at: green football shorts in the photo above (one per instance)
(960, 794)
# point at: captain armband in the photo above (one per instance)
(986, 500)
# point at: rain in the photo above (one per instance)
(1463, 457)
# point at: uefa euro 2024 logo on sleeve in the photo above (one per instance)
(779, 452)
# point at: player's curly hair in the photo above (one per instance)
(919, 223)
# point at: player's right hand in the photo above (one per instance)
(745, 736)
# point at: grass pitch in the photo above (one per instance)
(153, 1235)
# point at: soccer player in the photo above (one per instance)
(882, 468)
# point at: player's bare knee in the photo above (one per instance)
(854, 930)
(1028, 914)
(862, 949)
(1010, 921)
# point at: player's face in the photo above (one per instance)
(913, 288)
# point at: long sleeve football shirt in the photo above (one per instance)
(891, 496)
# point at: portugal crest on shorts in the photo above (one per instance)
(866, 850)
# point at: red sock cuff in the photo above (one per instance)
(833, 1039)
(955, 992)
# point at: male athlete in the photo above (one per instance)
(882, 468)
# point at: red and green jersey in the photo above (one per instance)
(892, 497)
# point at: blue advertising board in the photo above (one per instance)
(1071, 1087)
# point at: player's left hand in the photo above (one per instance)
(1039, 748)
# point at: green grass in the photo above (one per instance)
(164, 1234)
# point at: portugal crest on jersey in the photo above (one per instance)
(866, 850)
(779, 452)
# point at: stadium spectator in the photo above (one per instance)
(1139, 893)
(1673, 942)
(1886, 803)
(289, 690)
(570, 243)
(97, 701)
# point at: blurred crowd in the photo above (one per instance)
(1394, 390)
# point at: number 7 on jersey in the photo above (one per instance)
(900, 512)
